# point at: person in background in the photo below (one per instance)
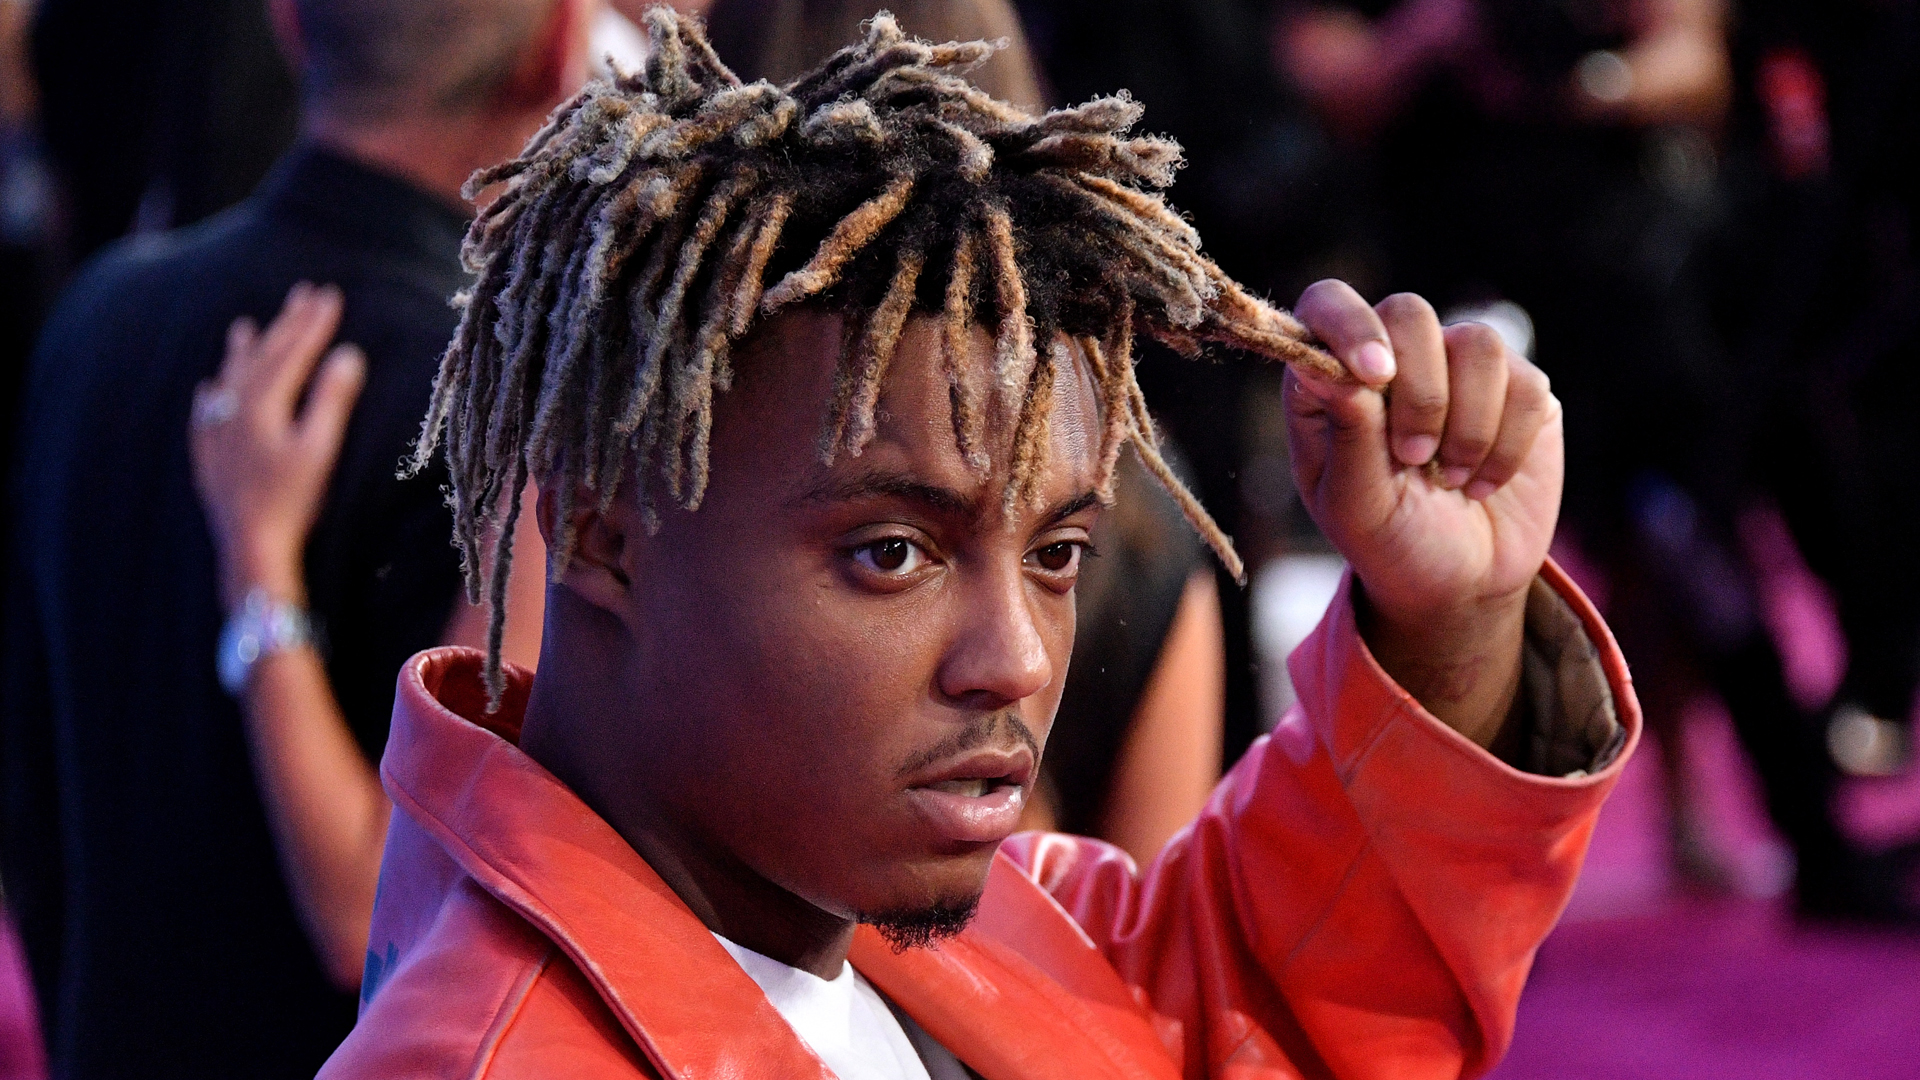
(1280, 207)
(191, 844)
(1569, 160)
(1826, 264)
(1136, 744)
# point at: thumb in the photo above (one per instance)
(323, 424)
(1343, 466)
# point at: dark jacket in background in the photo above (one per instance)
(137, 855)
(163, 110)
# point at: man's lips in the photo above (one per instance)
(976, 798)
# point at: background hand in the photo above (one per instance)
(1439, 480)
(261, 467)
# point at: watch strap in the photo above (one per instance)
(263, 626)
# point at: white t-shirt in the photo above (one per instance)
(846, 1023)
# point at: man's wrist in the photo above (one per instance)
(1462, 663)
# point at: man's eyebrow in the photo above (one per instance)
(1083, 501)
(886, 485)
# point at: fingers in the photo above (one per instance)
(1334, 435)
(269, 368)
(1529, 407)
(324, 423)
(1351, 329)
(1455, 398)
(1417, 403)
(1477, 362)
(241, 336)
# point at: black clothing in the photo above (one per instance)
(166, 110)
(137, 854)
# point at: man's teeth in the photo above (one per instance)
(972, 789)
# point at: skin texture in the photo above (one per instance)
(752, 704)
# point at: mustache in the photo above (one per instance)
(985, 730)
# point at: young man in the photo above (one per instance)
(811, 603)
(193, 839)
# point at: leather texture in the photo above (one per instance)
(1362, 898)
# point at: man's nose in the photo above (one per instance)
(999, 656)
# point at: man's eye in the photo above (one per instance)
(893, 556)
(1058, 558)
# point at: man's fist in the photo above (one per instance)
(1438, 477)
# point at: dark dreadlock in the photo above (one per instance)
(658, 215)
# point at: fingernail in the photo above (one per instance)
(1418, 449)
(1374, 362)
(1453, 476)
(1480, 489)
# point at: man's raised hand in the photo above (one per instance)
(1438, 477)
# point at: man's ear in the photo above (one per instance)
(554, 64)
(597, 570)
(285, 16)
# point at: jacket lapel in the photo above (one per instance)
(529, 841)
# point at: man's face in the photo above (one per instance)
(842, 676)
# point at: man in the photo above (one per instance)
(795, 678)
(193, 873)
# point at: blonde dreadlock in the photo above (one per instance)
(659, 214)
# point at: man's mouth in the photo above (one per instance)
(976, 798)
(972, 789)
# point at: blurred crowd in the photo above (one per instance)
(1698, 216)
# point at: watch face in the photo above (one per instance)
(262, 625)
(239, 648)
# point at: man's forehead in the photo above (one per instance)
(795, 367)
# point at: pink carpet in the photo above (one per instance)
(1645, 980)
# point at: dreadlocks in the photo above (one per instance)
(658, 215)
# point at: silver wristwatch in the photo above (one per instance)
(261, 627)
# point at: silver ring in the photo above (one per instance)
(215, 408)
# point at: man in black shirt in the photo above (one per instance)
(189, 885)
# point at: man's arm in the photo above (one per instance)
(1365, 891)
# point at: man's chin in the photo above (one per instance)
(917, 928)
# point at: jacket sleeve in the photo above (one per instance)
(1365, 891)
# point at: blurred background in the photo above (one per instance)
(1698, 216)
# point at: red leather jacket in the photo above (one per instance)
(1361, 898)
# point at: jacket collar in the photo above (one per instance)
(530, 842)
